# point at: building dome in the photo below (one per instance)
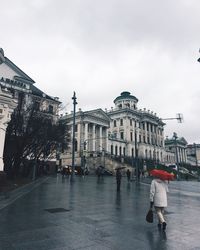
(126, 95)
(126, 100)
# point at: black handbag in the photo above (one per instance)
(149, 216)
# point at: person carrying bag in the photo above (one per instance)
(149, 216)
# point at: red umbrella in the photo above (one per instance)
(162, 174)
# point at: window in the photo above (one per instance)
(111, 149)
(116, 150)
(121, 122)
(124, 151)
(115, 123)
(50, 109)
(37, 106)
(115, 135)
(122, 135)
(75, 146)
(131, 122)
(131, 136)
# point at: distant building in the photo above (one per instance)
(178, 146)
(122, 132)
(193, 154)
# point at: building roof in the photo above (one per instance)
(125, 95)
(178, 141)
(20, 77)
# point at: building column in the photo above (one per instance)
(86, 136)
(100, 138)
(2, 140)
(145, 131)
(150, 134)
(78, 138)
(106, 141)
(93, 137)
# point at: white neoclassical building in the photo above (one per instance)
(15, 85)
(91, 135)
(135, 132)
(177, 145)
(122, 132)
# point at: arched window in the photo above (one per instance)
(111, 149)
(75, 146)
(116, 150)
(120, 150)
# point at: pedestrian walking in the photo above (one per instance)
(158, 199)
(128, 174)
(118, 179)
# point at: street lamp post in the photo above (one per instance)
(176, 153)
(73, 137)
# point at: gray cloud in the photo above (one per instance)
(101, 48)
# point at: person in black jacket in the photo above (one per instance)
(128, 174)
(118, 179)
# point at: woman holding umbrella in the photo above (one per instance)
(158, 196)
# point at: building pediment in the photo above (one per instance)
(98, 114)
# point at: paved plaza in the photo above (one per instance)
(89, 214)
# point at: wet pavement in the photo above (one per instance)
(89, 214)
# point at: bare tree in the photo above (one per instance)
(31, 135)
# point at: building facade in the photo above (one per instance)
(177, 145)
(193, 154)
(17, 86)
(91, 135)
(135, 132)
(122, 132)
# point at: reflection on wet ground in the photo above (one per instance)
(90, 214)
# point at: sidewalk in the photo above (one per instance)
(89, 214)
(9, 197)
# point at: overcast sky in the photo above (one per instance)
(100, 48)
